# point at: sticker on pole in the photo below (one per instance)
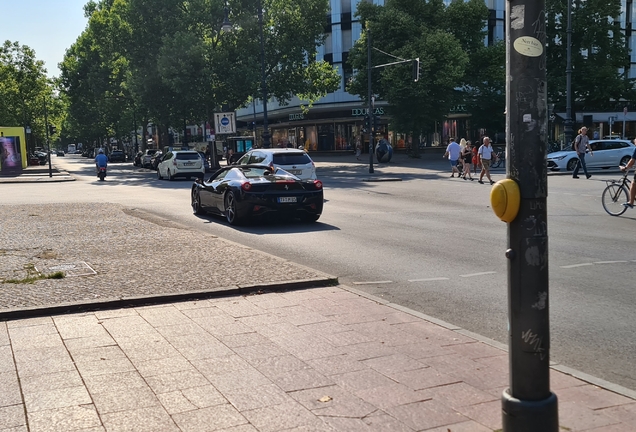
(528, 46)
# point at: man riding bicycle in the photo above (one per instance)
(632, 188)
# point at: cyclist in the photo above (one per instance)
(632, 188)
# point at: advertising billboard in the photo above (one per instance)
(13, 153)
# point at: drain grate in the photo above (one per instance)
(73, 269)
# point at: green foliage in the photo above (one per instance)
(449, 43)
(24, 87)
(599, 58)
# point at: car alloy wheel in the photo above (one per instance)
(230, 209)
(196, 203)
(572, 163)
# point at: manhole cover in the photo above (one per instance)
(73, 269)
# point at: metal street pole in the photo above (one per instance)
(370, 98)
(135, 126)
(568, 124)
(266, 141)
(48, 142)
(528, 405)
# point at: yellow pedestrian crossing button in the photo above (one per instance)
(505, 199)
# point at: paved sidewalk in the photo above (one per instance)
(321, 359)
(38, 174)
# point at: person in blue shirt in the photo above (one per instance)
(632, 188)
(101, 160)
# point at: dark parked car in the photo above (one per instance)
(206, 162)
(59, 153)
(156, 159)
(242, 192)
(117, 156)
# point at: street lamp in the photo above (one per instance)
(266, 142)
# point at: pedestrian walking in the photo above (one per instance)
(358, 148)
(581, 145)
(452, 153)
(467, 156)
(475, 160)
(485, 156)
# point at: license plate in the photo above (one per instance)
(295, 172)
(188, 164)
(287, 199)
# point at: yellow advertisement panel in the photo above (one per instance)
(13, 152)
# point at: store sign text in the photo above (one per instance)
(356, 112)
(296, 117)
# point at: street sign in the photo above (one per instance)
(225, 123)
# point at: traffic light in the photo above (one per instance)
(376, 122)
(367, 122)
(416, 69)
(52, 129)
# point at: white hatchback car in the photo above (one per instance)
(294, 161)
(181, 163)
(606, 154)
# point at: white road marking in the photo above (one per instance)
(372, 282)
(577, 265)
(609, 262)
(478, 274)
(429, 279)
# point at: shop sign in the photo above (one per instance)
(357, 112)
(296, 117)
(458, 108)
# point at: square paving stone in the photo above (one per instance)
(238, 379)
(217, 365)
(274, 366)
(250, 398)
(72, 327)
(100, 353)
(52, 381)
(209, 419)
(59, 398)
(333, 401)
(12, 416)
(488, 413)
(361, 380)
(382, 422)
(153, 419)
(258, 352)
(124, 399)
(4, 334)
(120, 381)
(175, 402)
(104, 367)
(161, 366)
(163, 316)
(426, 415)
(64, 419)
(279, 417)
(204, 396)
(300, 379)
(394, 363)
(169, 382)
(391, 395)
(458, 395)
(575, 416)
(338, 364)
(423, 378)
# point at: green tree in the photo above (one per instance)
(23, 88)
(444, 38)
(600, 60)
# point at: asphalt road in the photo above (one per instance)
(430, 243)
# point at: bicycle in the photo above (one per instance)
(500, 157)
(615, 194)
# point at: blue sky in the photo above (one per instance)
(47, 26)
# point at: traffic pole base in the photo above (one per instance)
(529, 416)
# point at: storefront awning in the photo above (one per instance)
(602, 117)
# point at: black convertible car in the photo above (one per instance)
(240, 192)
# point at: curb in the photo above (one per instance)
(598, 382)
(382, 179)
(127, 302)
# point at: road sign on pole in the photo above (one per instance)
(225, 123)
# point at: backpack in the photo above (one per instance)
(576, 142)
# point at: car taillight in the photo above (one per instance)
(247, 186)
(318, 184)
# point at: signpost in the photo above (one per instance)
(611, 120)
(624, 119)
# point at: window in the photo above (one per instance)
(188, 156)
(256, 158)
(291, 159)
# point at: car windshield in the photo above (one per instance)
(188, 156)
(255, 172)
(291, 158)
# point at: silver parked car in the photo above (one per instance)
(606, 154)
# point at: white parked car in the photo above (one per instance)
(180, 163)
(294, 161)
(607, 154)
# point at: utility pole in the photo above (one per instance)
(370, 97)
(569, 122)
(528, 405)
(48, 142)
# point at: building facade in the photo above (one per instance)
(335, 122)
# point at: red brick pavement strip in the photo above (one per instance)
(320, 359)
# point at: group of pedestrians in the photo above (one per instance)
(469, 156)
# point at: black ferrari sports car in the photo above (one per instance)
(240, 192)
